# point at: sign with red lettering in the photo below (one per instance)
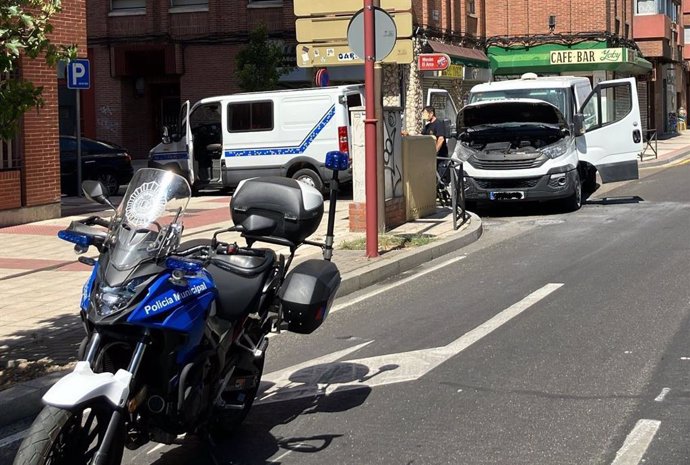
(433, 61)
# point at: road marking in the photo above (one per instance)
(11, 439)
(327, 374)
(155, 448)
(636, 443)
(396, 284)
(662, 395)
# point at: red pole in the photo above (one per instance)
(370, 121)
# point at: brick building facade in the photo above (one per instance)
(30, 165)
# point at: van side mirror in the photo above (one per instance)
(579, 124)
(166, 135)
(96, 192)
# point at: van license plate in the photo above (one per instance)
(514, 195)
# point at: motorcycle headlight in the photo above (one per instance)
(110, 300)
(556, 150)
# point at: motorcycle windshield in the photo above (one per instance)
(149, 217)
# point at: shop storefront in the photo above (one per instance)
(591, 59)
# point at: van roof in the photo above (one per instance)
(269, 93)
(532, 83)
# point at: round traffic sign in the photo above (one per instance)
(385, 33)
(322, 78)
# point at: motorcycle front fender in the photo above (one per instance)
(83, 385)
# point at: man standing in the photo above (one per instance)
(435, 127)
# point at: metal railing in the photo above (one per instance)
(453, 190)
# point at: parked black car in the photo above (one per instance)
(102, 161)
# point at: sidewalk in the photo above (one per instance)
(668, 150)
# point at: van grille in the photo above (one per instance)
(524, 183)
(507, 164)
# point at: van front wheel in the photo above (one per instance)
(574, 202)
(309, 177)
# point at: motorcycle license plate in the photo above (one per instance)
(512, 195)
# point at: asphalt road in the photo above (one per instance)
(556, 339)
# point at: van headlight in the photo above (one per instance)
(556, 150)
(462, 152)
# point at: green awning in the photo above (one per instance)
(554, 58)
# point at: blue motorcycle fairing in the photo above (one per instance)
(174, 307)
(177, 308)
(86, 290)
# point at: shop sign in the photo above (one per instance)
(582, 57)
(433, 61)
(454, 71)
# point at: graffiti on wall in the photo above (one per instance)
(392, 154)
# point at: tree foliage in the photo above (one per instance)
(260, 63)
(24, 30)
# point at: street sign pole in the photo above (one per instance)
(79, 173)
(370, 143)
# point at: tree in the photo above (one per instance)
(24, 30)
(260, 63)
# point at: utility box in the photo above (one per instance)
(419, 176)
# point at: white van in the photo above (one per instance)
(542, 138)
(226, 139)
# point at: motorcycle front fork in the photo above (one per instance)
(101, 457)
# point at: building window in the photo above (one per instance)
(657, 7)
(470, 7)
(255, 116)
(119, 5)
(177, 3)
(264, 3)
(687, 34)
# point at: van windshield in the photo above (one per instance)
(557, 97)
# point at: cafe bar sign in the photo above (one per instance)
(583, 57)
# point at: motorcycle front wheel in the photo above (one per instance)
(62, 437)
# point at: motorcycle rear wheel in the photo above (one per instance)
(61, 437)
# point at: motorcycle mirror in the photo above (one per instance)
(96, 192)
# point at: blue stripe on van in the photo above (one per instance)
(291, 150)
(169, 156)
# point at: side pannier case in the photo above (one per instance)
(277, 207)
(308, 293)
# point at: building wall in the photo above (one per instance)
(39, 178)
(531, 17)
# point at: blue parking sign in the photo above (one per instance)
(78, 74)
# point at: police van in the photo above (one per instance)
(222, 140)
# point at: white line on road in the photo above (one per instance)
(636, 443)
(4, 442)
(315, 377)
(395, 284)
(662, 395)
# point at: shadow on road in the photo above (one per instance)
(256, 442)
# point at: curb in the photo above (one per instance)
(386, 268)
(23, 400)
(672, 158)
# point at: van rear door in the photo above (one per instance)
(613, 130)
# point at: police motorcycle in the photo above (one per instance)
(176, 332)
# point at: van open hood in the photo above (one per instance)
(515, 111)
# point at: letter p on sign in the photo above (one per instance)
(78, 76)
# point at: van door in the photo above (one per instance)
(446, 111)
(189, 139)
(613, 130)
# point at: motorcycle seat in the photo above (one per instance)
(239, 279)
